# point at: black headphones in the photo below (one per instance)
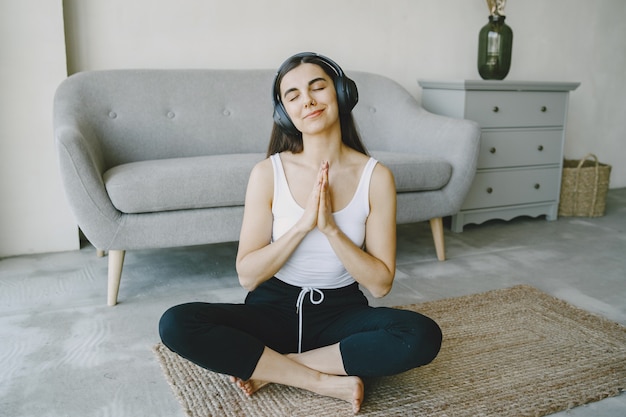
(347, 93)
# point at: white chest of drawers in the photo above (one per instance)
(521, 151)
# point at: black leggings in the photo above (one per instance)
(230, 338)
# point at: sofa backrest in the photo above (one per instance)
(137, 115)
(388, 116)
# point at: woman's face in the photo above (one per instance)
(309, 97)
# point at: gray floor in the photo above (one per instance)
(64, 353)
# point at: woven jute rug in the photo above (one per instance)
(511, 352)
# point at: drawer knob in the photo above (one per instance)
(496, 109)
(544, 109)
(489, 190)
(492, 150)
(537, 186)
(540, 148)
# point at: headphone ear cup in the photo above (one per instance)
(347, 94)
(353, 93)
(283, 121)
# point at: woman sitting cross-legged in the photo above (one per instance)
(319, 224)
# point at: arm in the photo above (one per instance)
(374, 267)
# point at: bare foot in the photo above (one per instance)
(347, 388)
(248, 387)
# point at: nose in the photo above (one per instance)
(309, 101)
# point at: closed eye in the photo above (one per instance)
(317, 84)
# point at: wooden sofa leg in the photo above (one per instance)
(436, 227)
(116, 262)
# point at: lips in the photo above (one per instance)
(314, 114)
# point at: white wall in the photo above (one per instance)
(557, 40)
(33, 213)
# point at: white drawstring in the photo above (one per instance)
(299, 305)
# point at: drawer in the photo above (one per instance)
(516, 108)
(510, 148)
(513, 186)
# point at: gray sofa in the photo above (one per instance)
(161, 158)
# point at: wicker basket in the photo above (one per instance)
(584, 186)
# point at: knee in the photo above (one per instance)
(433, 337)
(425, 341)
(173, 325)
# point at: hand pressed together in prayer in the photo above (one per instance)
(319, 212)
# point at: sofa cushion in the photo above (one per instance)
(180, 183)
(414, 172)
(221, 180)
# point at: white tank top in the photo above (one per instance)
(314, 264)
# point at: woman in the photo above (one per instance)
(319, 222)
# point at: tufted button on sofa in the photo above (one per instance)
(161, 158)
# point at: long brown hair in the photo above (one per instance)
(281, 140)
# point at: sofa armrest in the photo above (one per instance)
(81, 166)
(458, 142)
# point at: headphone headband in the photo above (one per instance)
(347, 93)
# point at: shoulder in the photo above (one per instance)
(261, 181)
(382, 195)
(262, 170)
(382, 178)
